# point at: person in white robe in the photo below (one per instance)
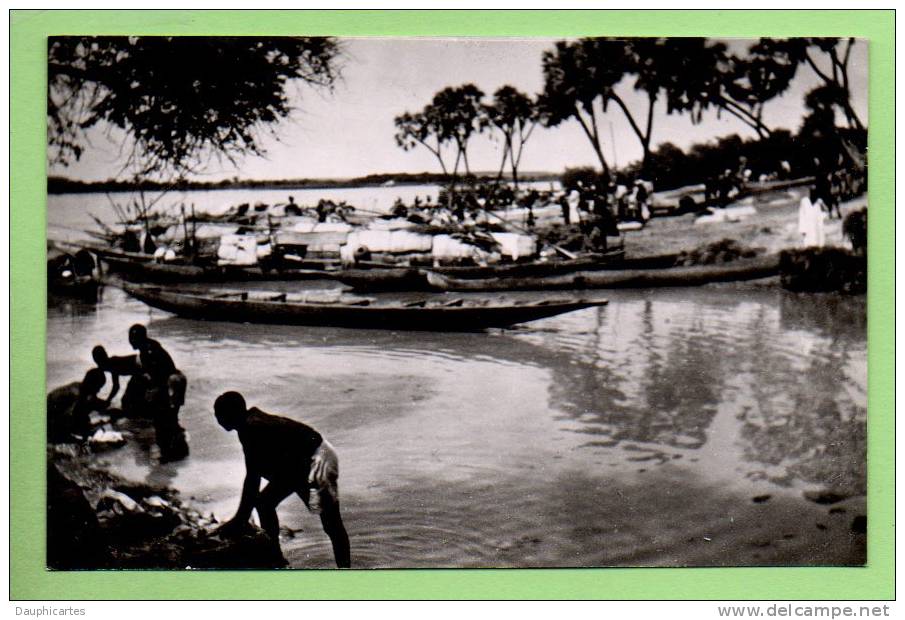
(810, 221)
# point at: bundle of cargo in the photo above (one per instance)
(409, 247)
(243, 250)
(310, 239)
(389, 246)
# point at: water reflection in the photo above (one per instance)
(829, 314)
(815, 425)
(789, 372)
(609, 436)
(73, 306)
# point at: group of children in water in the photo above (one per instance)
(291, 456)
(156, 391)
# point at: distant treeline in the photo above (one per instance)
(62, 185)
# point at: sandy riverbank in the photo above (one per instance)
(774, 227)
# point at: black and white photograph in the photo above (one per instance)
(389, 303)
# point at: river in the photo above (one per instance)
(671, 427)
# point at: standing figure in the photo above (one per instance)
(726, 187)
(292, 208)
(574, 207)
(836, 192)
(564, 206)
(810, 220)
(165, 393)
(293, 458)
(642, 200)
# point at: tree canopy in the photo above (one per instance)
(514, 114)
(452, 117)
(691, 75)
(179, 100)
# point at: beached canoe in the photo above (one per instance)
(437, 312)
(372, 276)
(376, 278)
(733, 271)
(71, 275)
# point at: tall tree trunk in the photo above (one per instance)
(499, 174)
(645, 142)
(453, 180)
(643, 136)
(595, 141)
(514, 172)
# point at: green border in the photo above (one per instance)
(29, 579)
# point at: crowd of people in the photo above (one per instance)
(595, 208)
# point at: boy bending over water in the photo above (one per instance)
(293, 458)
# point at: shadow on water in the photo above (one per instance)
(622, 435)
(818, 429)
(74, 305)
(676, 384)
(660, 380)
(831, 314)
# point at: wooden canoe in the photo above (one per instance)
(376, 278)
(436, 312)
(738, 270)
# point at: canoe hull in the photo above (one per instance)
(735, 271)
(396, 317)
(378, 278)
(163, 273)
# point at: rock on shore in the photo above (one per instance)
(97, 520)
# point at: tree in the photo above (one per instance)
(582, 79)
(179, 100)
(575, 87)
(421, 128)
(748, 83)
(459, 115)
(836, 53)
(839, 52)
(514, 114)
(679, 70)
(452, 117)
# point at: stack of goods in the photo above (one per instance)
(242, 250)
(311, 239)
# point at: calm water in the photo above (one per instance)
(633, 434)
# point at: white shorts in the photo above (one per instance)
(323, 477)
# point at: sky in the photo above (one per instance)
(349, 132)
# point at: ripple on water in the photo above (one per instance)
(561, 443)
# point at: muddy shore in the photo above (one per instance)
(98, 520)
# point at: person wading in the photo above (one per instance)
(165, 393)
(293, 458)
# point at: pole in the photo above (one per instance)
(559, 249)
(613, 146)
